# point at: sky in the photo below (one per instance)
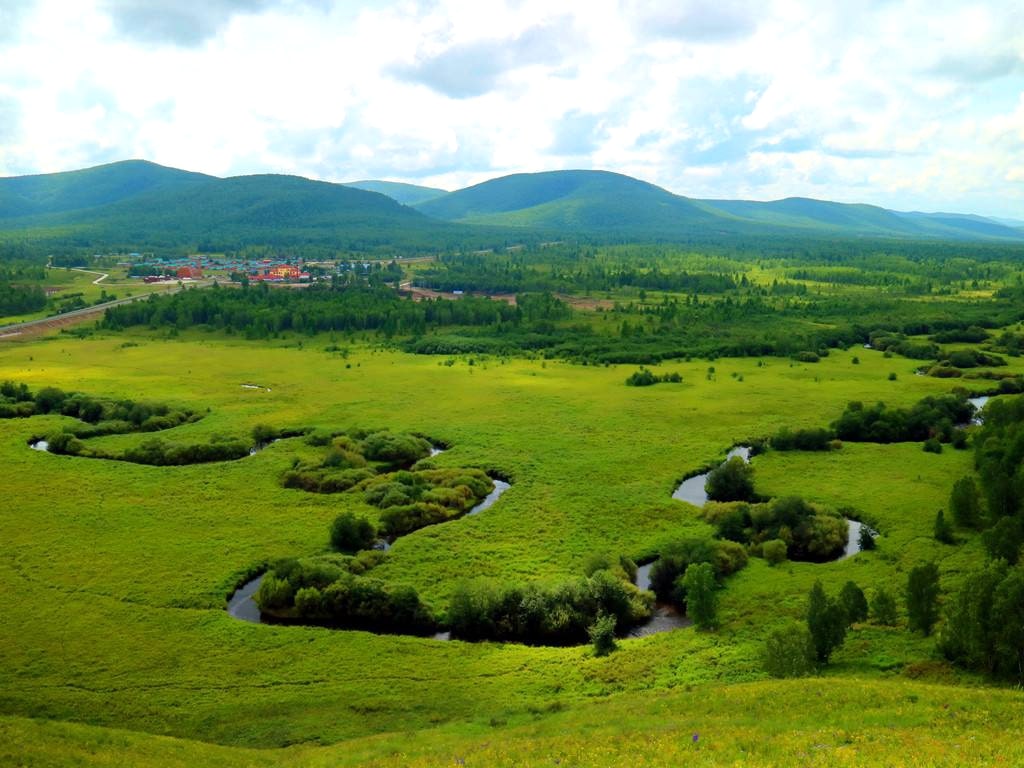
(910, 105)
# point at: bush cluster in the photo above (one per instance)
(329, 592)
(807, 531)
(645, 378)
(569, 613)
(668, 572)
(931, 417)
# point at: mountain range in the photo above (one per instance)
(137, 204)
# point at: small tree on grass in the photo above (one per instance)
(883, 608)
(965, 503)
(350, 533)
(701, 595)
(854, 603)
(826, 621)
(789, 651)
(602, 635)
(732, 481)
(923, 597)
(943, 530)
(866, 539)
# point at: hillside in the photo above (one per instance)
(138, 206)
(610, 203)
(820, 722)
(406, 194)
(590, 201)
(88, 188)
(864, 220)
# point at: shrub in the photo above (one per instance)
(309, 602)
(803, 440)
(866, 539)
(350, 533)
(49, 399)
(731, 481)
(641, 378)
(923, 597)
(943, 530)
(883, 608)
(965, 503)
(559, 614)
(826, 622)
(602, 635)
(1003, 540)
(701, 595)
(263, 434)
(932, 445)
(273, 593)
(789, 651)
(774, 551)
(854, 603)
(395, 449)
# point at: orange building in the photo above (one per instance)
(283, 272)
(189, 273)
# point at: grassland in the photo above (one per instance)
(117, 573)
(63, 285)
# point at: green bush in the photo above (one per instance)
(826, 622)
(701, 595)
(854, 603)
(774, 551)
(395, 448)
(351, 534)
(731, 481)
(883, 608)
(602, 635)
(789, 651)
(965, 503)
(923, 597)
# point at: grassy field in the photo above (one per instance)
(116, 574)
(63, 283)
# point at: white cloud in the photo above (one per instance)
(856, 102)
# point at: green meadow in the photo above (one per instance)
(115, 633)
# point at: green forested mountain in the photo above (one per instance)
(406, 194)
(863, 220)
(578, 201)
(598, 201)
(88, 188)
(137, 205)
(224, 214)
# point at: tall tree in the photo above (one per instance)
(923, 597)
(826, 621)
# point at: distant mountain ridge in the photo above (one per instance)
(600, 200)
(139, 204)
(406, 194)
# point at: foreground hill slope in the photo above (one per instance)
(815, 722)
